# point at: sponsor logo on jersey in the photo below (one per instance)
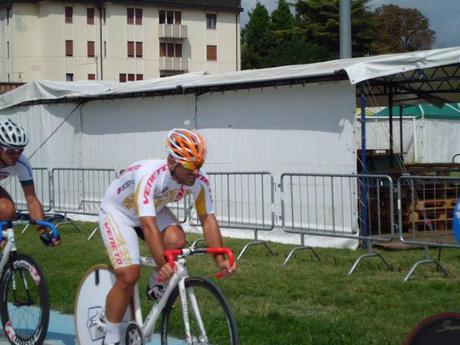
(149, 184)
(128, 169)
(125, 185)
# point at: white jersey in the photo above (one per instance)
(146, 187)
(21, 169)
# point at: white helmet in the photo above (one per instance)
(12, 136)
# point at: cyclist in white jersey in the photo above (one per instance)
(13, 140)
(138, 197)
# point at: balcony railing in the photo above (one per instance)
(172, 31)
(173, 64)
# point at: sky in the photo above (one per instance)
(444, 16)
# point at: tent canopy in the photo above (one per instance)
(432, 75)
(449, 111)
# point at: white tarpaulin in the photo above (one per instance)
(357, 69)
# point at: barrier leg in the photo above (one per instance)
(291, 253)
(253, 243)
(93, 232)
(370, 254)
(427, 260)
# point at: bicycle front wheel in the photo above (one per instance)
(24, 305)
(210, 316)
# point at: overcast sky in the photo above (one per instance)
(444, 16)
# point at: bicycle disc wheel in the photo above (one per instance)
(24, 305)
(214, 311)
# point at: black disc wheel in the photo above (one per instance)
(24, 305)
(210, 316)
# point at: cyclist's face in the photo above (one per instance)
(185, 176)
(9, 156)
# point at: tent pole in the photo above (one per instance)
(401, 131)
(390, 117)
(363, 190)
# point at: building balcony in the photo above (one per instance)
(173, 64)
(172, 31)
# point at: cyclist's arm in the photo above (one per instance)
(33, 204)
(213, 237)
(154, 241)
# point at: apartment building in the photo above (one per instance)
(117, 40)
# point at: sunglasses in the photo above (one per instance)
(13, 151)
(191, 166)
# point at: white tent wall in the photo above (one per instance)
(283, 129)
(425, 140)
(118, 132)
(301, 128)
(62, 147)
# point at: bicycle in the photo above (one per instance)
(24, 302)
(203, 318)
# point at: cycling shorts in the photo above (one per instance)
(120, 238)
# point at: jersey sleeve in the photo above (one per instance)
(144, 194)
(203, 196)
(24, 171)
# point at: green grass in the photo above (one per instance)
(306, 302)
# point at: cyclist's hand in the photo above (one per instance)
(48, 239)
(225, 268)
(165, 273)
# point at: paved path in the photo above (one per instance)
(61, 331)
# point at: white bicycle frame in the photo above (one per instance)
(10, 246)
(178, 279)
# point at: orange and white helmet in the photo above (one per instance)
(186, 147)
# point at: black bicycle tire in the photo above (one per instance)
(39, 335)
(215, 291)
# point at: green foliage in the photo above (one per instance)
(322, 19)
(312, 33)
(306, 302)
(402, 29)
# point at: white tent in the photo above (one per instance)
(285, 119)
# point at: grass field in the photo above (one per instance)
(306, 302)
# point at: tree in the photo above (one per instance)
(321, 21)
(281, 17)
(256, 38)
(402, 30)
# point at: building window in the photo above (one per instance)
(130, 48)
(170, 17)
(68, 14)
(211, 53)
(90, 48)
(68, 48)
(211, 21)
(91, 76)
(105, 48)
(138, 16)
(138, 49)
(69, 77)
(90, 16)
(131, 77)
(122, 77)
(103, 15)
(130, 15)
(139, 77)
(170, 50)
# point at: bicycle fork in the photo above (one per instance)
(184, 293)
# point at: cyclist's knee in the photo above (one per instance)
(7, 209)
(174, 237)
(128, 276)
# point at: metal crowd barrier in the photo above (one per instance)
(425, 210)
(243, 200)
(42, 189)
(80, 191)
(339, 206)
